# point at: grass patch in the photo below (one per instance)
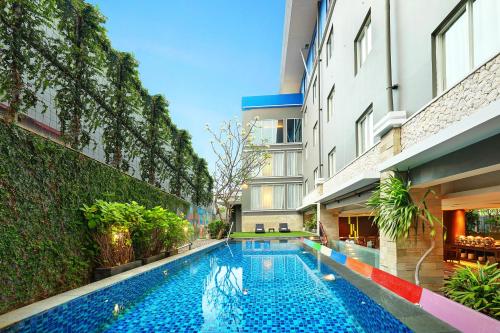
(271, 234)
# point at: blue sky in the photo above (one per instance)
(203, 55)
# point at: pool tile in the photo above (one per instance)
(401, 287)
(359, 267)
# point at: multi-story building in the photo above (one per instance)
(389, 86)
(274, 195)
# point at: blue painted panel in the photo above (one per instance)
(271, 101)
(338, 257)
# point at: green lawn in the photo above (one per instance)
(271, 234)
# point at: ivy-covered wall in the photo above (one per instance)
(42, 238)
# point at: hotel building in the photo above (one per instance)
(377, 87)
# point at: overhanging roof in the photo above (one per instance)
(477, 127)
(362, 180)
(300, 18)
(271, 101)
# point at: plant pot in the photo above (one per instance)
(105, 272)
(471, 256)
(151, 259)
(172, 252)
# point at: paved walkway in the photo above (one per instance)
(198, 243)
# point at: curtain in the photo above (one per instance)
(255, 197)
(278, 196)
(278, 164)
(486, 27)
(294, 163)
(456, 49)
(294, 195)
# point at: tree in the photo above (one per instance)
(181, 152)
(396, 212)
(156, 125)
(238, 160)
(24, 70)
(125, 99)
(79, 45)
(203, 182)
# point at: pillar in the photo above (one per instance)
(330, 221)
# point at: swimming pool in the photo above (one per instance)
(247, 286)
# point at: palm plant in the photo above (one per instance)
(477, 288)
(396, 212)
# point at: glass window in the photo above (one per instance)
(315, 177)
(331, 163)
(468, 40)
(363, 43)
(294, 195)
(329, 47)
(294, 130)
(268, 131)
(267, 197)
(330, 106)
(315, 134)
(275, 165)
(294, 163)
(305, 117)
(306, 151)
(314, 90)
(365, 132)
(306, 186)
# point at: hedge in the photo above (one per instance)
(43, 241)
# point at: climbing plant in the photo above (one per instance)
(203, 183)
(43, 185)
(182, 156)
(23, 70)
(79, 45)
(119, 144)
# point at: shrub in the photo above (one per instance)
(215, 227)
(110, 224)
(150, 236)
(180, 231)
(311, 223)
(476, 288)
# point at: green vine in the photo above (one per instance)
(43, 185)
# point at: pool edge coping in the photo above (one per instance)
(15, 316)
(427, 302)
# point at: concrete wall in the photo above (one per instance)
(271, 220)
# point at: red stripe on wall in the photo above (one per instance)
(359, 267)
(403, 288)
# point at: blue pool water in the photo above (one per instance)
(249, 286)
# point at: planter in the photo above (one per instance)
(471, 256)
(102, 273)
(172, 252)
(151, 259)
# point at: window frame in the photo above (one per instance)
(330, 107)
(315, 134)
(332, 169)
(365, 116)
(301, 191)
(316, 176)
(314, 89)
(329, 46)
(358, 41)
(301, 129)
(261, 206)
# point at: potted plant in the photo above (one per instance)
(109, 225)
(477, 288)
(149, 235)
(395, 213)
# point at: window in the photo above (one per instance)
(331, 163)
(294, 195)
(267, 197)
(365, 131)
(315, 88)
(306, 151)
(294, 130)
(472, 36)
(329, 47)
(306, 186)
(294, 163)
(315, 134)
(363, 43)
(268, 131)
(305, 117)
(275, 166)
(330, 106)
(315, 177)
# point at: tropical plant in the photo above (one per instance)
(80, 47)
(179, 233)
(151, 234)
(395, 212)
(23, 70)
(311, 222)
(217, 229)
(110, 224)
(181, 156)
(477, 288)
